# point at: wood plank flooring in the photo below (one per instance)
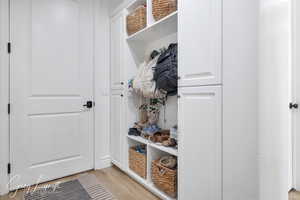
(122, 186)
(117, 182)
(294, 195)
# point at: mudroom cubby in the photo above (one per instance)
(204, 108)
(154, 152)
(132, 51)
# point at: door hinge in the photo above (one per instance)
(8, 108)
(9, 47)
(8, 168)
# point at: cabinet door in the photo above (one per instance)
(200, 142)
(116, 127)
(116, 55)
(200, 42)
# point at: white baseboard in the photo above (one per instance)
(102, 163)
(3, 190)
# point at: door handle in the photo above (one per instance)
(89, 104)
(294, 106)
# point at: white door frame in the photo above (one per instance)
(101, 96)
(4, 95)
(295, 16)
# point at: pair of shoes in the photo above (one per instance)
(151, 130)
(134, 131)
(160, 136)
(171, 142)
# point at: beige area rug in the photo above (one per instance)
(86, 187)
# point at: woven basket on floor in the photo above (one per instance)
(162, 8)
(164, 178)
(138, 162)
(137, 20)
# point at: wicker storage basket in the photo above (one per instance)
(164, 178)
(137, 20)
(162, 8)
(138, 162)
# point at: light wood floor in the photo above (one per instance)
(118, 183)
(122, 186)
(294, 196)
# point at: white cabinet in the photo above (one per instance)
(200, 148)
(117, 127)
(200, 42)
(116, 49)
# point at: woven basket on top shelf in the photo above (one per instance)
(164, 178)
(162, 8)
(137, 20)
(138, 162)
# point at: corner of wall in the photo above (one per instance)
(103, 163)
(102, 85)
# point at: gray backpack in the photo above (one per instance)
(165, 72)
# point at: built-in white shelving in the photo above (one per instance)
(159, 29)
(156, 35)
(169, 150)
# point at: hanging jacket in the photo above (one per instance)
(143, 83)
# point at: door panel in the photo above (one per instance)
(51, 79)
(200, 148)
(117, 120)
(52, 61)
(200, 42)
(117, 34)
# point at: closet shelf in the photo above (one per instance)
(138, 139)
(157, 30)
(168, 150)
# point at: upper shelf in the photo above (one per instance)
(157, 30)
(133, 5)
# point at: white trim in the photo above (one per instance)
(103, 163)
(102, 85)
(4, 96)
(293, 88)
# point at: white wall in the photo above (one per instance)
(240, 62)
(4, 138)
(102, 85)
(115, 6)
(274, 97)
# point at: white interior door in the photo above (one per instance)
(51, 80)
